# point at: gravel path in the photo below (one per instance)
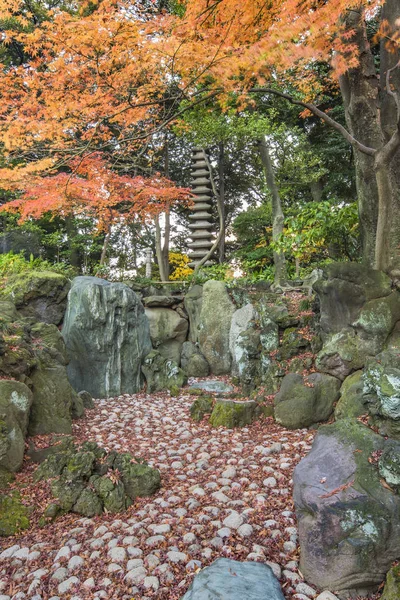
(224, 493)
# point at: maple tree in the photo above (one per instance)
(92, 189)
(107, 77)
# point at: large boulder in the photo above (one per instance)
(193, 303)
(215, 324)
(228, 579)
(15, 404)
(344, 289)
(40, 295)
(162, 373)
(303, 401)
(168, 331)
(349, 521)
(107, 337)
(193, 362)
(55, 402)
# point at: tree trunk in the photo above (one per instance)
(389, 122)
(278, 219)
(104, 248)
(221, 173)
(74, 255)
(159, 250)
(360, 92)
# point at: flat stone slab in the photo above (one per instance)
(212, 385)
(229, 579)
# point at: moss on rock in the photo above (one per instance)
(230, 413)
(203, 405)
(391, 590)
(14, 516)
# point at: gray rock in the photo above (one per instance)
(242, 319)
(193, 362)
(212, 386)
(215, 324)
(107, 336)
(343, 353)
(304, 401)
(39, 295)
(352, 402)
(86, 399)
(381, 392)
(344, 289)
(193, 302)
(349, 525)
(168, 331)
(161, 301)
(162, 373)
(228, 579)
(15, 404)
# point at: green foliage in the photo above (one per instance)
(11, 264)
(317, 228)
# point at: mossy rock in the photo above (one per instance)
(111, 493)
(53, 466)
(391, 590)
(139, 480)
(203, 405)
(88, 504)
(231, 414)
(86, 398)
(351, 402)
(389, 464)
(51, 512)
(14, 516)
(40, 295)
(79, 466)
(267, 410)
(67, 492)
(162, 373)
(6, 477)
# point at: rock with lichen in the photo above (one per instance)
(348, 517)
(162, 373)
(234, 413)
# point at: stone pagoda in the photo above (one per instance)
(202, 238)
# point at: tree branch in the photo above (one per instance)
(322, 115)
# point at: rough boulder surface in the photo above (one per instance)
(162, 373)
(15, 403)
(193, 362)
(41, 295)
(168, 331)
(215, 325)
(304, 401)
(229, 579)
(349, 522)
(233, 413)
(107, 336)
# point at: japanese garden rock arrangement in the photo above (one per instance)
(224, 493)
(89, 480)
(107, 336)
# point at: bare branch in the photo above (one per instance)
(322, 115)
